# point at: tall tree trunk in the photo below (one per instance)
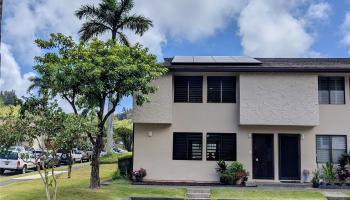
(95, 163)
(70, 162)
(110, 140)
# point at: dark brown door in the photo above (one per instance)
(263, 159)
(289, 156)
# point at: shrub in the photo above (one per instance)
(114, 157)
(116, 175)
(328, 173)
(139, 174)
(343, 171)
(233, 174)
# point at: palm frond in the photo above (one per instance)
(137, 23)
(123, 39)
(86, 11)
(92, 28)
(124, 7)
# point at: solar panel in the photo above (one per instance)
(182, 59)
(215, 59)
(203, 59)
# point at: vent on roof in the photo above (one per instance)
(215, 59)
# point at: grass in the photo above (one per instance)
(113, 157)
(77, 188)
(65, 168)
(262, 194)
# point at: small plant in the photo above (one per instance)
(222, 166)
(316, 178)
(139, 174)
(225, 178)
(116, 175)
(328, 173)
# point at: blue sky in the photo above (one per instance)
(257, 28)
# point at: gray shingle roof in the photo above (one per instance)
(268, 65)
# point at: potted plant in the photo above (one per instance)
(225, 178)
(139, 174)
(316, 179)
(328, 173)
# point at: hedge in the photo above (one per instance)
(114, 157)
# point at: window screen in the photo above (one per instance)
(188, 89)
(221, 89)
(187, 146)
(331, 90)
(221, 146)
(330, 148)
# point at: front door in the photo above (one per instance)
(263, 160)
(289, 156)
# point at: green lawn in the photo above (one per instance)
(262, 194)
(62, 168)
(77, 188)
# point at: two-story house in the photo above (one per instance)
(277, 116)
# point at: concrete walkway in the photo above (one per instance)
(335, 195)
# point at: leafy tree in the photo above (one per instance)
(111, 16)
(85, 74)
(9, 98)
(76, 128)
(51, 128)
(124, 134)
(43, 122)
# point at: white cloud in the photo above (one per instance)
(11, 78)
(319, 11)
(189, 20)
(271, 28)
(345, 27)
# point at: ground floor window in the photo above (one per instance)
(221, 146)
(329, 148)
(187, 146)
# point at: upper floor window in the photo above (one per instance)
(221, 89)
(187, 146)
(188, 89)
(329, 148)
(221, 146)
(331, 90)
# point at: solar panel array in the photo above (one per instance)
(215, 59)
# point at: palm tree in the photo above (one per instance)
(111, 16)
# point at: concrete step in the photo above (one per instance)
(198, 195)
(198, 190)
(199, 198)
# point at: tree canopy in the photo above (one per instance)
(86, 73)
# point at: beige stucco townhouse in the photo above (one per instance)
(278, 116)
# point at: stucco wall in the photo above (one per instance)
(154, 153)
(279, 99)
(159, 109)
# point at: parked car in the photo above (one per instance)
(64, 157)
(16, 161)
(119, 150)
(85, 156)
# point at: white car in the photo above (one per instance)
(16, 161)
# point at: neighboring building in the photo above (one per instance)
(278, 116)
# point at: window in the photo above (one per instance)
(221, 146)
(221, 89)
(188, 89)
(330, 148)
(187, 146)
(331, 90)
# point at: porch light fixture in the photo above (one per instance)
(150, 133)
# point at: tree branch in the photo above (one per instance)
(72, 103)
(114, 103)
